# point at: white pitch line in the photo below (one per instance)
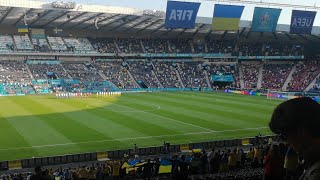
(124, 139)
(210, 130)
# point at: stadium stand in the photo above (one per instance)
(274, 75)
(304, 74)
(82, 71)
(40, 44)
(192, 75)
(220, 46)
(23, 43)
(14, 71)
(57, 44)
(167, 74)
(6, 43)
(48, 71)
(79, 45)
(116, 73)
(250, 49)
(180, 45)
(250, 75)
(129, 45)
(155, 45)
(143, 73)
(104, 45)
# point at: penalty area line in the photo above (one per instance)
(135, 138)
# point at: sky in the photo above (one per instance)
(206, 7)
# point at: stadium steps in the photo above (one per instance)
(241, 76)
(115, 42)
(192, 47)
(313, 82)
(66, 71)
(133, 80)
(289, 78)
(206, 47)
(142, 46)
(29, 71)
(207, 78)
(180, 81)
(259, 85)
(154, 74)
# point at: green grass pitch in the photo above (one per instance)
(38, 126)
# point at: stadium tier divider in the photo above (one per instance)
(119, 154)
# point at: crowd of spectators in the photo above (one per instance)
(143, 71)
(155, 45)
(42, 71)
(167, 74)
(250, 48)
(180, 45)
(116, 73)
(14, 71)
(250, 75)
(81, 72)
(282, 49)
(220, 46)
(104, 45)
(192, 75)
(274, 75)
(304, 74)
(129, 45)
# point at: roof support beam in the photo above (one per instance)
(224, 34)
(242, 31)
(181, 33)
(123, 23)
(275, 36)
(21, 17)
(288, 36)
(137, 24)
(209, 33)
(198, 29)
(247, 36)
(87, 19)
(101, 21)
(115, 20)
(39, 17)
(6, 14)
(72, 18)
(59, 16)
(157, 29)
(149, 25)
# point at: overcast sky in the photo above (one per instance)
(206, 8)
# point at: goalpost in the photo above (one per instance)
(281, 95)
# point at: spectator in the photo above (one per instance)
(38, 174)
(273, 165)
(297, 120)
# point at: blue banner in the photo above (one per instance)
(181, 14)
(302, 21)
(222, 78)
(265, 19)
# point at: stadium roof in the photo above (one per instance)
(113, 16)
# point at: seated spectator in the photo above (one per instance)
(297, 120)
(273, 164)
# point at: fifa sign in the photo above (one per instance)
(302, 22)
(181, 14)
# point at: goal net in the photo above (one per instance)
(281, 95)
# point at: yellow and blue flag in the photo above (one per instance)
(226, 17)
(23, 29)
(165, 166)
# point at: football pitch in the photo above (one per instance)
(38, 126)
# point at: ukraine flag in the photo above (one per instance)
(226, 17)
(165, 166)
(23, 29)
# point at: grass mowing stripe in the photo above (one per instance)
(205, 113)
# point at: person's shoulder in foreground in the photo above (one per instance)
(298, 122)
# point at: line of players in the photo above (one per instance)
(109, 94)
(74, 95)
